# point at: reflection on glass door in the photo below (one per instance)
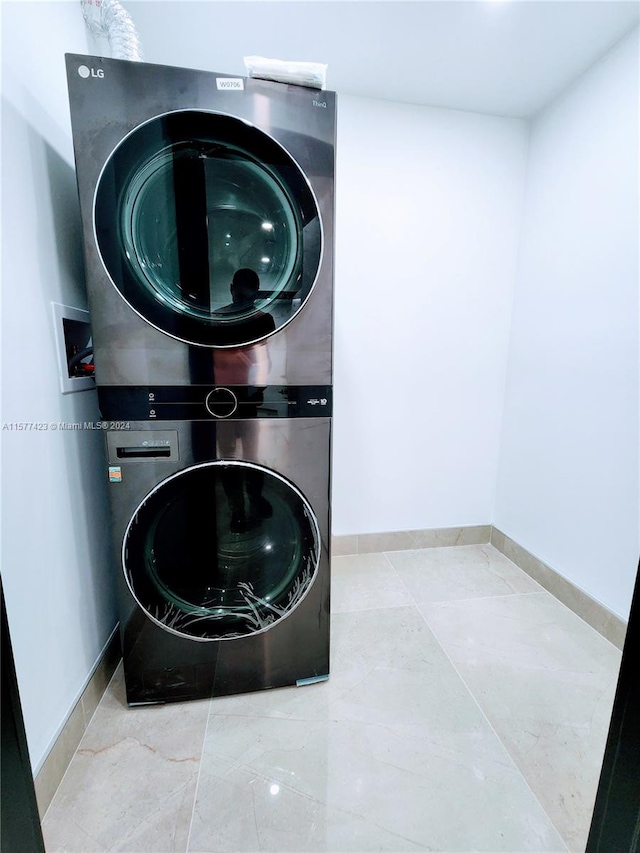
(187, 201)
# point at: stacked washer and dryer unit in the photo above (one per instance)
(207, 204)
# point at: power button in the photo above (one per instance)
(221, 402)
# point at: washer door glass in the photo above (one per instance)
(221, 550)
(188, 200)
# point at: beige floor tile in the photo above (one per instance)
(361, 648)
(402, 746)
(242, 811)
(546, 682)
(467, 571)
(365, 582)
(131, 785)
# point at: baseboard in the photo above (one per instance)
(407, 540)
(612, 627)
(55, 764)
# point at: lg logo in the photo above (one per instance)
(85, 72)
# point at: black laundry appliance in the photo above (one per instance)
(207, 204)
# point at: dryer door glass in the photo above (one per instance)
(221, 550)
(208, 228)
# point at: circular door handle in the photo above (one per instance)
(221, 402)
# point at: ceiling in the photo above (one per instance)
(505, 58)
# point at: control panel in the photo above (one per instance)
(202, 402)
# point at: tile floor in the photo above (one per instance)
(467, 710)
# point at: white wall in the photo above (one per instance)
(428, 213)
(55, 566)
(568, 483)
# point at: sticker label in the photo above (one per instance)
(233, 83)
(115, 474)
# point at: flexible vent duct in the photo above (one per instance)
(107, 19)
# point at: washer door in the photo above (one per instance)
(188, 199)
(221, 550)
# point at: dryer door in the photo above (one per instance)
(186, 201)
(221, 550)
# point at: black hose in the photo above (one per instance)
(77, 358)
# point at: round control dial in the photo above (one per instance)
(221, 402)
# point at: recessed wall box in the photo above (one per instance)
(73, 336)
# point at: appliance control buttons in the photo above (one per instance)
(221, 402)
